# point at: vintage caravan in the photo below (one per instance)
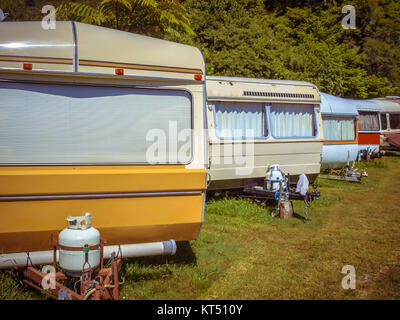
(254, 124)
(340, 124)
(390, 123)
(368, 127)
(101, 121)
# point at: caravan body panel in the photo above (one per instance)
(390, 123)
(369, 125)
(340, 130)
(75, 137)
(255, 123)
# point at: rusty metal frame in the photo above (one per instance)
(107, 286)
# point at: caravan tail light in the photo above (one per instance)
(27, 66)
(119, 72)
(198, 77)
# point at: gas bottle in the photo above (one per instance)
(273, 176)
(79, 234)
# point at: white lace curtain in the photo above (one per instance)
(240, 120)
(368, 121)
(292, 120)
(336, 129)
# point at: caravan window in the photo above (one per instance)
(292, 121)
(394, 121)
(368, 121)
(383, 121)
(81, 124)
(235, 120)
(339, 129)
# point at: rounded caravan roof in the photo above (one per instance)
(393, 98)
(267, 81)
(366, 105)
(235, 88)
(80, 47)
(387, 105)
(337, 106)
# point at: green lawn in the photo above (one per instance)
(244, 253)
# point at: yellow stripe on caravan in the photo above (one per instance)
(128, 203)
(98, 179)
(34, 225)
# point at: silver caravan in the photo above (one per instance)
(369, 127)
(340, 124)
(255, 123)
(390, 123)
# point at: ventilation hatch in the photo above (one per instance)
(278, 94)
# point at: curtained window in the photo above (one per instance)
(292, 120)
(368, 121)
(339, 129)
(235, 120)
(82, 124)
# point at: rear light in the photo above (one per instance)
(198, 77)
(28, 66)
(119, 72)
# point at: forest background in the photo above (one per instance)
(272, 39)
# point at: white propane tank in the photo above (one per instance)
(78, 234)
(272, 177)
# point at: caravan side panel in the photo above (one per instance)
(255, 123)
(76, 138)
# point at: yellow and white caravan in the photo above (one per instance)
(255, 123)
(101, 121)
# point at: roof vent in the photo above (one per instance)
(278, 94)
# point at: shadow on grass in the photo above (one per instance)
(272, 204)
(300, 217)
(392, 154)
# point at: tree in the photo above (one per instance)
(151, 17)
(277, 39)
(301, 40)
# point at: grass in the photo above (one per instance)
(244, 253)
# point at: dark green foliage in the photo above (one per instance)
(302, 40)
(275, 39)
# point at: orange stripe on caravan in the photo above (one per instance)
(340, 142)
(36, 59)
(369, 138)
(107, 64)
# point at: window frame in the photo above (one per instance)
(384, 115)
(315, 128)
(110, 85)
(265, 120)
(390, 120)
(379, 121)
(339, 117)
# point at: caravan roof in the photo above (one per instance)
(337, 106)
(366, 105)
(265, 81)
(74, 46)
(387, 105)
(261, 90)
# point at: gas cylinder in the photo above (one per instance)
(78, 234)
(273, 176)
